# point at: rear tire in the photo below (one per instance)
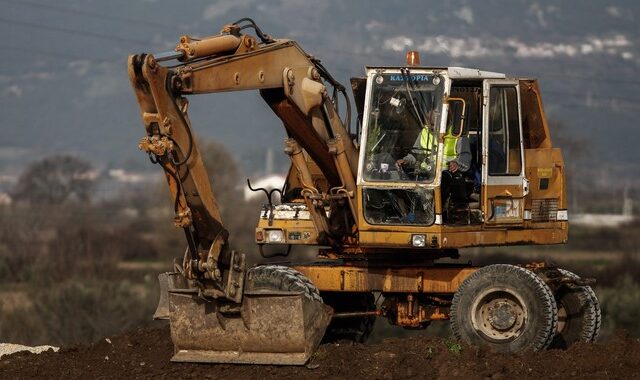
(579, 316)
(506, 308)
(357, 329)
(278, 277)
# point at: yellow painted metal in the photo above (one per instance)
(554, 233)
(336, 147)
(546, 163)
(318, 216)
(302, 228)
(470, 236)
(419, 279)
(198, 48)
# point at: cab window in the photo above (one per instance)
(505, 156)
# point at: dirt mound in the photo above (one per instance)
(146, 353)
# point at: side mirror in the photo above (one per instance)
(455, 118)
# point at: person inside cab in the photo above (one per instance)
(456, 160)
(424, 143)
(420, 161)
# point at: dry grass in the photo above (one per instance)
(69, 277)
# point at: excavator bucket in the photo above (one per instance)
(270, 327)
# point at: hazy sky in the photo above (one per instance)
(64, 86)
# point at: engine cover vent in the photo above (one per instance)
(544, 210)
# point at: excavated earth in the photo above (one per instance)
(146, 353)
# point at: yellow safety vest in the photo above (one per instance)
(426, 142)
(450, 142)
(426, 139)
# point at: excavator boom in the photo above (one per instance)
(292, 84)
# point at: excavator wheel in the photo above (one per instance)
(278, 277)
(356, 329)
(579, 316)
(506, 308)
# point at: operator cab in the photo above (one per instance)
(412, 119)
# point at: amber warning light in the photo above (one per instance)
(413, 58)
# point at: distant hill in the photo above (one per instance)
(64, 86)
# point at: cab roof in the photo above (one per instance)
(454, 72)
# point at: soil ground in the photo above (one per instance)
(145, 353)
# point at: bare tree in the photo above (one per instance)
(56, 179)
(222, 168)
(238, 216)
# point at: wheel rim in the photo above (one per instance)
(499, 315)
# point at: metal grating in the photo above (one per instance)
(544, 210)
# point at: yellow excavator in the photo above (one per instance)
(441, 158)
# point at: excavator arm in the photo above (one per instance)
(292, 83)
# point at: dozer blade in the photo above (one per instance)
(271, 327)
(162, 311)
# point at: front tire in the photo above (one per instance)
(506, 308)
(279, 277)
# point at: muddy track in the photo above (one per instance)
(146, 353)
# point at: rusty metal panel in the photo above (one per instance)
(259, 69)
(544, 210)
(545, 171)
(547, 233)
(534, 121)
(441, 280)
(271, 327)
(553, 232)
(158, 110)
(359, 86)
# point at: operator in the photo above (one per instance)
(425, 143)
(457, 158)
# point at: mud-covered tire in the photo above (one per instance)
(579, 315)
(506, 308)
(357, 329)
(278, 277)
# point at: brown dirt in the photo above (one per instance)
(146, 353)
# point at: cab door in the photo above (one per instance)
(504, 185)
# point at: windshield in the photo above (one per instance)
(404, 111)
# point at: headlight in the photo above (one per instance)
(418, 240)
(275, 236)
